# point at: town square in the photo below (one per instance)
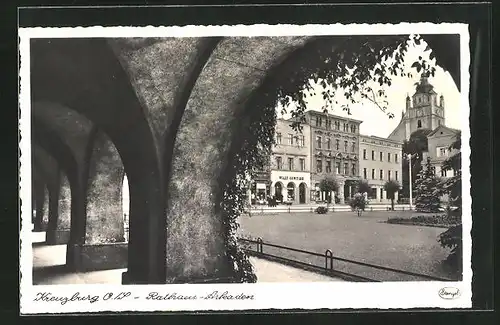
(232, 159)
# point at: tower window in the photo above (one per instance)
(419, 124)
(439, 122)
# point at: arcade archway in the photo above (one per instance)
(278, 191)
(290, 192)
(302, 193)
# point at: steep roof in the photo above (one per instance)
(443, 127)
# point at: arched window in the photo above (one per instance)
(419, 124)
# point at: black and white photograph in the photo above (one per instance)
(245, 167)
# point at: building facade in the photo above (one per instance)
(334, 150)
(438, 143)
(290, 178)
(380, 160)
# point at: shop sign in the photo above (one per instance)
(291, 178)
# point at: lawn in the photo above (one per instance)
(366, 239)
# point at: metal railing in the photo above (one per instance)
(329, 258)
(331, 208)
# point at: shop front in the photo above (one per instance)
(290, 187)
(260, 188)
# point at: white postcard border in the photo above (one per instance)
(334, 295)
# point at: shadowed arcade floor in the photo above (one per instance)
(49, 269)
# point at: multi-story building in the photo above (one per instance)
(334, 151)
(290, 164)
(379, 161)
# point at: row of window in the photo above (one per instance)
(419, 123)
(346, 127)
(328, 144)
(425, 99)
(442, 151)
(381, 156)
(381, 174)
(298, 140)
(290, 164)
(338, 170)
(445, 172)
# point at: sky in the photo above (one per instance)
(377, 123)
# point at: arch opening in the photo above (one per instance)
(278, 190)
(302, 193)
(290, 192)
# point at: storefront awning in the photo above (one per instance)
(261, 186)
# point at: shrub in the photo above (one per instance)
(358, 203)
(443, 219)
(321, 210)
(452, 238)
(363, 187)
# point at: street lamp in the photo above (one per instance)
(409, 156)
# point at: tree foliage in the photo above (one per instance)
(428, 190)
(358, 203)
(452, 238)
(391, 187)
(329, 184)
(363, 187)
(417, 144)
(348, 66)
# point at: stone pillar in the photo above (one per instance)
(377, 194)
(41, 206)
(59, 231)
(45, 215)
(396, 197)
(104, 246)
(341, 192)
(249, 196)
